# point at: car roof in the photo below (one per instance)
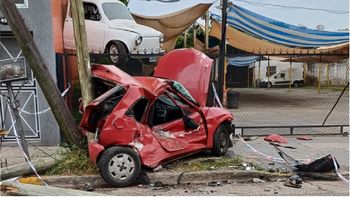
(103, 1)
(152, 84)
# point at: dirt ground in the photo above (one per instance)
(309, 188)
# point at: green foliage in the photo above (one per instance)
(208, 163)
(180, 38)
(73, 162)
(124, 1)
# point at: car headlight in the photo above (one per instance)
(138, 40)
(161, 38)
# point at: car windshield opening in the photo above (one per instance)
(116, 11)
(182, 90)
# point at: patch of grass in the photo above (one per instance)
(208, 163)
(73, 162)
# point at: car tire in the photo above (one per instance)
(117, 47)
(221, 141)
(119, 166)
(269, 85)
(296, 84)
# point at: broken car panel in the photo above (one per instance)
(146, 121)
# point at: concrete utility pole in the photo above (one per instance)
(83, 58)
(221, 72)
(41, 72)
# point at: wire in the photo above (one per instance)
(296, 7)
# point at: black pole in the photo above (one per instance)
(221, 77)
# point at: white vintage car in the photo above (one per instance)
(111, 29)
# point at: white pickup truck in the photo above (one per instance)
(111, 29)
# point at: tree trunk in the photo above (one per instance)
(42, 74)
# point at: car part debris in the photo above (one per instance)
(88, 187)
(276, 138)
(324, 164)
(304, 137)
(275, 144)
(294, 181)
(257, 180)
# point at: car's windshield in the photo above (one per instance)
(182, 90)
(116, 11)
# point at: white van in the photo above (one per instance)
(111, 29)
(282, 79)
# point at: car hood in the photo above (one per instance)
(132, 26)
(191, 68)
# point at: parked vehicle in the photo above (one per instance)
(111, 29)
(147, 121)
(282, 79)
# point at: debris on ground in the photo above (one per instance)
(257, 180)
(275, 144)
(276, 138)
(304, 137)
(294, 181)
(324, 164)
(88, 187)
(251, 138)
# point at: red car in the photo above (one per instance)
(146, 121)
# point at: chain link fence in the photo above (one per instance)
(286, 97)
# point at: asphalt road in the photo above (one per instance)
(309, 188)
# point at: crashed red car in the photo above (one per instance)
(147, 121)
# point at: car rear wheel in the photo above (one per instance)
(117, 52)
(221, 141)
(119, 166)
(296, 84)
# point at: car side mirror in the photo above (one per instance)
(189, 123)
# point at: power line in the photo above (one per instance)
(296, 7)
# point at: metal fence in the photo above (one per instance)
(319, 104)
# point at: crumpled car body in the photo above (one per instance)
(157, 117)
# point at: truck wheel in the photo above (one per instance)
(269, 85)
(117, 48)
(119, 166)
(221, 141)
(296, 84)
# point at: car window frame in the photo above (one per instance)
(98, 9)
(133, 105)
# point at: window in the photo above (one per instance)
(138, 109)
(182, 90)
(91, 12)
(21, 3)
(116, 11)
(283, 75)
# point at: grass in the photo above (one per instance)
(73, 162)
(206, 163)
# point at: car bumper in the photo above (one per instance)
(94, 151)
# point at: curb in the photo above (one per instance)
(170, 178)
(22, 169)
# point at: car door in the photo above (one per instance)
(280, 79)
(166, 122)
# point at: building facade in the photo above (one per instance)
(38, 122)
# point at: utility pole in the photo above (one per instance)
(53, 96)
(222, 54)
(83, 58)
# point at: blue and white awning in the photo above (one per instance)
(242, 60)
(280, 32)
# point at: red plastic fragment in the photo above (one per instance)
(304, 137)
(276, 138)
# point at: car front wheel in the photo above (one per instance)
(119, 166)
(118, 53)
(221, 141)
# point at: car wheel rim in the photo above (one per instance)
(121, 166)
(114, 50)
(223, 142)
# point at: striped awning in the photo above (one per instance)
(242, 60)
(278, 32)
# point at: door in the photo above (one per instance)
(281, 79)
(166, 120)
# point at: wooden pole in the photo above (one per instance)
(53, 96)
(185, 39)
(83, 58)
(194, 35)
(319, 78)
(17, 118)
(207, 31)
(290, 74)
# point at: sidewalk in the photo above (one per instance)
(319, 146)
